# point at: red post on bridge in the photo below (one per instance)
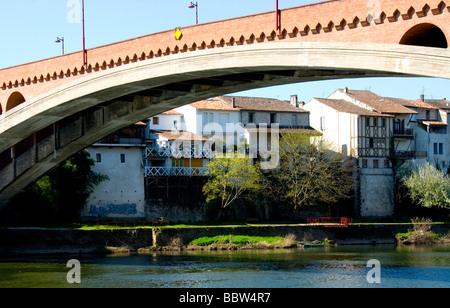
(277, 16)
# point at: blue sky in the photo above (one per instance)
(30, 27)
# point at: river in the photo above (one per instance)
(343, 267)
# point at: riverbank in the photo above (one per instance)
(36, 241)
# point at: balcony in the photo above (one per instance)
(178, 153)
(405, 154)
(404, 133)
(174, 171)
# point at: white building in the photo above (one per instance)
(364, 135)
(175, 147)
(377, 130)
(118, 156)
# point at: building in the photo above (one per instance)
(119, 156)
(365, 135)
(432, 137)
(379, 132)
(162, 160)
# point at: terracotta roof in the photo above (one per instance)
(433, 123)
(439, 103)
(411, 103)
(379, 103)
(306, 130)
(260, 104)
(347, 107)
(180, 135)
(212, 105)
(171, 112)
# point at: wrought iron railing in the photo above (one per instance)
(177, 152)
(405, 154)
(174, 171)
(404, 132)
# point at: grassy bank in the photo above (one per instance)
(242, 240)
(421, 234)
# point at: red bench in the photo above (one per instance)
(330, 222)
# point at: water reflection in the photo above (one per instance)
(316, 267)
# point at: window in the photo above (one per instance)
(375, 163)
(176, 163)
(375, 122)
(122, 158)
(369, 143)
(155, 120)
(383, 122)
(251, 117)
(294, 120)
(438, 149)
(376, 143)
(98, 158)
(364, 163)
(175, 125)
(224, 119)
(207, 118)
(387, 163)
(322, 124)
(427, 114)
(367, 122)
(273, 118)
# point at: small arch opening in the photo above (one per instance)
(14, 100)
(426, 35)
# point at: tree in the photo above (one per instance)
(63, 192)
(231, 179)
(311, 173)
(426, 185)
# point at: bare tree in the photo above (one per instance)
(310, 172)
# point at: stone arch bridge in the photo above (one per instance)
(52, 108)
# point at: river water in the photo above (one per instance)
(343, 267)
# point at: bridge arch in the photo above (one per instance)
(14, 100)
(425, 34)
(54, 126)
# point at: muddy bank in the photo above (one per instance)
(26, 241)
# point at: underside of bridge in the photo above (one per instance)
(39, 135)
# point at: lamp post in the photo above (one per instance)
(60, 40)
(278, 26)
(84, 39)
(191, 6)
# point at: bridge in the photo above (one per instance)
(53, 108)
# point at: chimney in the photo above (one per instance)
(422, 97)
(346, 90)
(234, 103)
(294, 101)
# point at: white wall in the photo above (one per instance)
(340, 128)
(123, 195)
(192, 119)
(166, 122)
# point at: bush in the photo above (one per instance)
(420, 234)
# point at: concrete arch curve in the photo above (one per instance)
(14, 100)
(425, 34)
(95, 106)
